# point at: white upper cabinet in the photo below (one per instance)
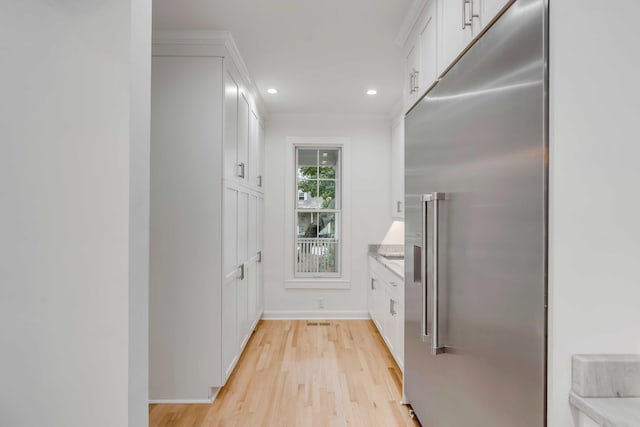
(421, 56)
(455, 29)
(441, 32)
(459, 22)
(427, 38)
(412, 67)
(243, 136)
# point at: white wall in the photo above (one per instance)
(64, 214)
(140, 54)
(369, 150)
(594, 273)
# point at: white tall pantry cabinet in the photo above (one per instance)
(206, 215)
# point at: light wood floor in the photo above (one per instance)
(294, 375)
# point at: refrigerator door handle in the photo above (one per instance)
(436, 347)
(421, 272)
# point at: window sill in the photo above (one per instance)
(317, 283)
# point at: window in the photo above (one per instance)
(318, 210)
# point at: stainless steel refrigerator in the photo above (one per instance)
(476, 233)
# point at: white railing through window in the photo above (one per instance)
(316, 255)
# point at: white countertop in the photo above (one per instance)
(605, 388)
(609, 411)
(396, 266)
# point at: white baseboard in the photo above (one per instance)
(214, 393)
(315, 314)
(179, 401)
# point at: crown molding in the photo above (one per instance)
(215, 39)
(409, 21)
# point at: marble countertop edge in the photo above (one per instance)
(394, 268)
(609, 411)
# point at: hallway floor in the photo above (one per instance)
(304, 373)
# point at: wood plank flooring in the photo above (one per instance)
(293, 374)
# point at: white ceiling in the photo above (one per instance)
(322, 55)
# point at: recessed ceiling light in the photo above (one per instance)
(372, 92)
(325, 154)
(272, 91)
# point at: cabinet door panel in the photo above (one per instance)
(243, 225)
(378, 301)
(254, 149)
(260, 288)
(242, 288)
(261, 152)
(428, 48)
(389, 323)
(230, 344)
(243, 134)
(412, 65)
(252, 293)
(253, 226)
(230, 231)
(260, 223)
(370, 286)
(230, 127)
(452, 37)
(399, 338)
(242, 307)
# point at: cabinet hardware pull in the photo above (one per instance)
(373, 284)
(411, 85)
(416, 84)
(241, 167)
(259, 180)
(241, 272)
(398, 206)
(259, 256)
(466, 23)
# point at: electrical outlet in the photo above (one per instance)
(321, 302)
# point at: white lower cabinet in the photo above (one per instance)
(385, 298)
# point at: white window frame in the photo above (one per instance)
(322, 280)
(336, 212)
